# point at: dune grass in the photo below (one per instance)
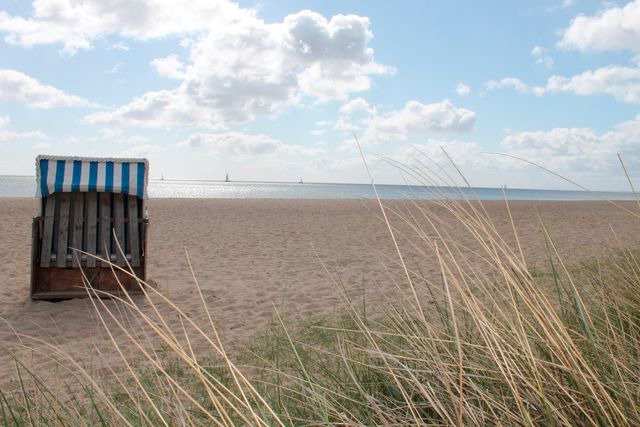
(487, 341)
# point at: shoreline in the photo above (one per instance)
(151, 199)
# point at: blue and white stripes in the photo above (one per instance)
(56, 174)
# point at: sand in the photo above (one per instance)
(250, 256)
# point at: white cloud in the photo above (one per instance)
(41, 145)
(560, 5)
(541, 57)
(18, 87)
(251, 68)
(145, 150)
(514, 83)
(76, 24)
(464, 154)
(162, 108)
(318, 132)
(588, 156)
(417, 119)
(622, 83)
(343, 124)
(578, 149)
(137, 139)
(110, 133)
(463, 89)
(113, 70)
(241, 144)
(120, 46)
(169, 67)
(357, 105)
(7, 136)
(614, 29)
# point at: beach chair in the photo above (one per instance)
(88, 204)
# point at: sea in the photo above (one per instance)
(25, 186)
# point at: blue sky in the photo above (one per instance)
(276, 90)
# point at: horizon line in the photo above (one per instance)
(357, 183)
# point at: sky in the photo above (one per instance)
(280, 90)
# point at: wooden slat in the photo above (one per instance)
(34, 251)
(134, 240)
(47, 232)
(91, 227)
(63, 230)
(118, 218)
(77, 228)
(104, 245)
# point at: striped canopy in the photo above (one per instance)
(55, 174)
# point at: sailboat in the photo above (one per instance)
(300, 182)
(226, 179)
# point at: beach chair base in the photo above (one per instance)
(57, 283)
(99, 225)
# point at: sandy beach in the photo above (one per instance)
(251, 255)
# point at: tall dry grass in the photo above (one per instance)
(487, 341)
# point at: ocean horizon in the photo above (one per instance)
(25, 186)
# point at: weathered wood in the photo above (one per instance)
(59, 295)
(34, 251)
(63, 230)
(91, 227)
(77, 228)
(54, 283)
(47, 232)
(104, 244)
(118, 218)
(112, 282)
(143, 245)
(134, 233)
(65, 279)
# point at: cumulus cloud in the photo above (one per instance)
(582, 153)
(542, 57)
(77, 24)
(463, 89)
(345, 125)
(119, 46)
(578, 149)
(515, 83)
(41, 146)
(144, 150)
(623, 83)
(19, 87)
(465, 154)
(8, 136)
(252, 68)
(152, 109)
(169, 67)
(614, 29)
(417, 119)
(357, 105)
(241, 144)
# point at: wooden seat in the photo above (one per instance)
(77, 233)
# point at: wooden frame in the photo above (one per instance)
(97, 224)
